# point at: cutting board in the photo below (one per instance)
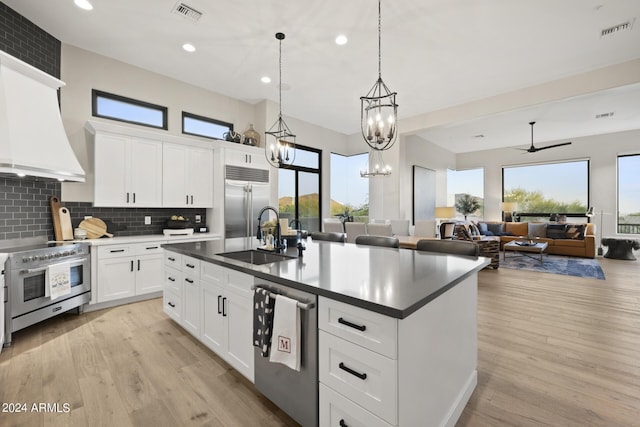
(95, 227)
(65, 224)
(54, 203)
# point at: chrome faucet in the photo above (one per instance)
(278, 236)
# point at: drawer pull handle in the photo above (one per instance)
(188, 280)
(352, 325)
(219, 310)
(343, 424)
(171, 258)
(172, 305)
(224, 312)
(191, 266)
(155, 247)
(113, 251)
(171, 279)
(352, 372)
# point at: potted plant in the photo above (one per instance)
(467, 204)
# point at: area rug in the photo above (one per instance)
(555, 264)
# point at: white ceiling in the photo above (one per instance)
(435, 53)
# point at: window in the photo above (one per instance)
(460, 182)
(628, 194)
(116, 107)
(349, 191)
(299, 189)
(544, 189)
(204, 126)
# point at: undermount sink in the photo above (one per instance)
(255, 256)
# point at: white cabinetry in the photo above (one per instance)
(128, 171)
(245, 155)
(375, 370)
(187, 179)
(128, 270)
(227, 316)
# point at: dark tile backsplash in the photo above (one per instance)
(24, 203)
(26, 41)
(25, 212)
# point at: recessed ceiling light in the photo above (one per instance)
(265, 79)
(83, 4)
(341, 39)
(189, 47)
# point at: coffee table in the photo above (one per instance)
(538, 248)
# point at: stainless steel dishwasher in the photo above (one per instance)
(296, 393)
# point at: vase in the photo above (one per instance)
(251, 137)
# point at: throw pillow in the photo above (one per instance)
(576, 231)
(556, 231)
(488, 233)
(537, 229)
(496, 229)
(475, 231)
(482, 226)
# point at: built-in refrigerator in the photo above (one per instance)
(246, 192)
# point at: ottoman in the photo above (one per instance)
(619, 248)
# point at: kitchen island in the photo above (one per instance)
(420, 346)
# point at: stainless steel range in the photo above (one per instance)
(26, 296)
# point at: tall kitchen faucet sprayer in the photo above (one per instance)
(278, 236)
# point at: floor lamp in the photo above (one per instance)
(589, 214)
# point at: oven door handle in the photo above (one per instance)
(38, 270)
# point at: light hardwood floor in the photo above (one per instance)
(553, 351)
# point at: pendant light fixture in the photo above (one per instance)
(280, 143)
(378, 109)
(375, 165)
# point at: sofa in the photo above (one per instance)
(562, 238)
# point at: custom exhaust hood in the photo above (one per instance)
(32, 138)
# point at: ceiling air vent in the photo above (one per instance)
(604, 115)
(187, 11)
(617, 28)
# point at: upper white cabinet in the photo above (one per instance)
(245, 155)
(187, 178)
(128, 171)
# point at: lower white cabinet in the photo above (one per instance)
(128, 270)
(214, 304)
(375, 370)
(227, 316)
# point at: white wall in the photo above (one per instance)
(601, 150)
(83, 71)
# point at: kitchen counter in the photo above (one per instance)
(393, 282)
(147, 238)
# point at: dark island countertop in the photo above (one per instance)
(393, 282)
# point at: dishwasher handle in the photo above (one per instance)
(300, 304)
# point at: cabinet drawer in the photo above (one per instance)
(240, 283)
(173, 280)
(148, 248)
(374, 331)
(337, 410)
(173, 259)
(114, 251)
(363, 376)
(172, 304)
(191, 266)
(211, 272)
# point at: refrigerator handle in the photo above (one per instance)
(249, 212)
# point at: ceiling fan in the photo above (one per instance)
(533, 149)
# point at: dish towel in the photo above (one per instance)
(286, 333)
(58, 280)
(262, 319)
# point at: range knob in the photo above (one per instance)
(57, 255)
(25, 259)
(66, 253)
